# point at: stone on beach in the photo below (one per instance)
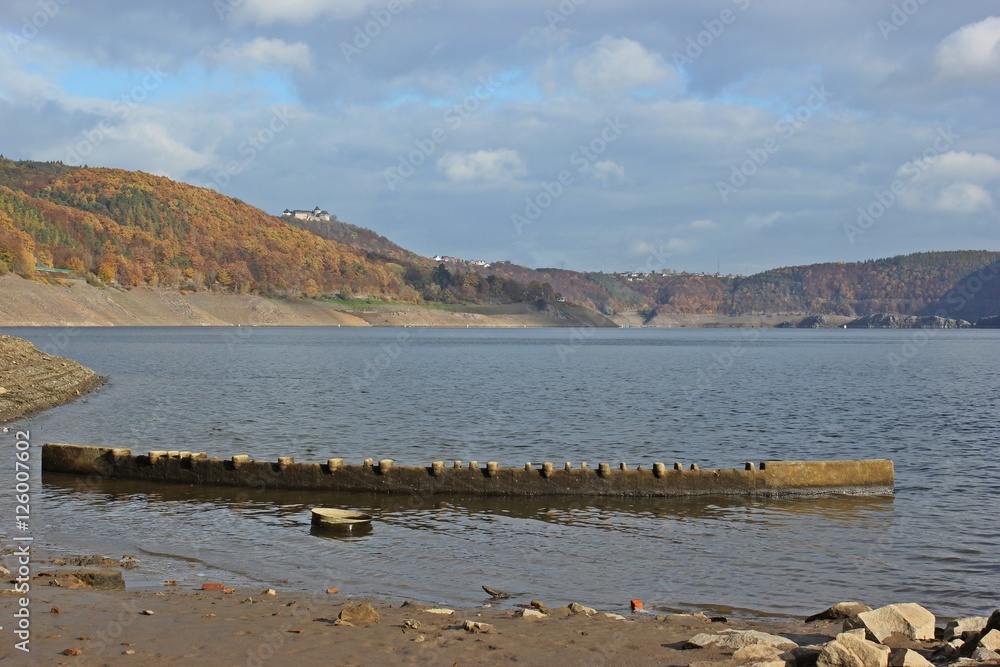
(840, 610)
(762, 655)
(908, 658)
(962, 627)
(985, 655)
(737, 639)
(578, 608)
(908, 619)
(477, 627)
(540, 606)
(990, 641)
(532, 613)
(363, 614)
(496, 594)
(100, 580)
(849, 650)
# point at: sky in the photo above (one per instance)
(596, 135)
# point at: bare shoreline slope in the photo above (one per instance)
(30, 303)
(31, 380)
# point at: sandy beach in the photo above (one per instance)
(181, 625)
(252, 627)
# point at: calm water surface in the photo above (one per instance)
(715, 397)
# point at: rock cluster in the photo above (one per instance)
(893, 321)
(897, 635)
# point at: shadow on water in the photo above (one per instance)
(593, 512)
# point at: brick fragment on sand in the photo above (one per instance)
(333, 590)
(73, 651)
(212, 587)
(55, 610)
(637, 605)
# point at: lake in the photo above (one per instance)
(926, 399)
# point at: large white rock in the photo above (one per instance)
(990, 641)
(964, 626)
(853, 651)
(761, 655)
(909, 619)
(737, 639)
(985, 655)
(908, 658)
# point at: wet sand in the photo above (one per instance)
(247, 627)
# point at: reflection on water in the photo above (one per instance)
(635, 395)
(346, 533)
(668, 551)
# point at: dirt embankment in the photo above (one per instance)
(31, 380)
(75, 303)
(30, 303)
(681, 320)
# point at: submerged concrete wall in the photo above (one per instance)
(773, 478)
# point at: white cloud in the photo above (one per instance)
(962, 198)
(304, 11)
(972, 50)
(493, 166)
(615, 64)
(260, 51)
(954, 182)
(608, 172)
(757, 222)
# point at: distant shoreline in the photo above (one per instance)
(74, 303)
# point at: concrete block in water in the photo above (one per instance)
(774, 478)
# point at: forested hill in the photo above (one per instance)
(960, 284)
(369, 242)
(132, 228)
(137, 229)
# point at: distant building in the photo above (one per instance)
(315, 214)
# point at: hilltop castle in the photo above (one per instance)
(315, 214)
